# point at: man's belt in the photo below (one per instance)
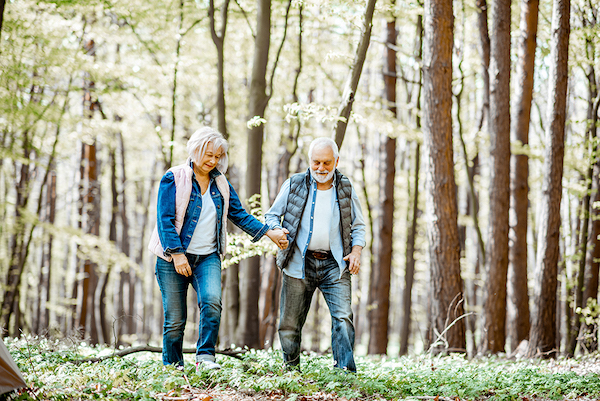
(319, 255)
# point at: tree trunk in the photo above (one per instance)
(248, 332)
(357, 66)
(484, 40)
(112, 236)
(542, 337)
(219, 41)
(409, 274)
(496, 258)
(2, 3)
(518, 299)
(591, 270)
(379, 292)
(17, 244)
(91, 217)
(412, 233)
(446, 307)
(51, 201)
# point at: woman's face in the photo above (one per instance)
(210, 159)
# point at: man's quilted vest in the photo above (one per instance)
(297, 199)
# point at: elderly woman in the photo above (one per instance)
(194, 201)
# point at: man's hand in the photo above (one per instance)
(354, 259)
(279, 237)
(182, 266)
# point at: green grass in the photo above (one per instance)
(49, 369)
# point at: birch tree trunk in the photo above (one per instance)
(542, 337)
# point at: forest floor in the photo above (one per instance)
(59, 370)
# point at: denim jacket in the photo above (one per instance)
(177, 243)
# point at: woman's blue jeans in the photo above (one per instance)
(296, 296)
(206, 280)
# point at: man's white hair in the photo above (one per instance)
(323, 142)
(200, 139)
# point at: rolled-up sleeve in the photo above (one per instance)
(358, 222)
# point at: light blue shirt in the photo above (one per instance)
(273, 218)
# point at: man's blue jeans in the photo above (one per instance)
(206, 280)
(296, 296)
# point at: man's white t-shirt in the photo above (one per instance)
(319, 241)
(204, 239)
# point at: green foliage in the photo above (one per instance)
(50, 369)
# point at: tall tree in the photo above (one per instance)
(89, 208)
(518, 300)
(446, 307)
(496, 258)
(542, 337)
(2, 3)
(484, 43)
(411, 237)
(218, 37)
(354, 78)
(271, 285)
(379, 292)
(587, 286)
(248, 319)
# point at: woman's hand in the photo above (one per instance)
(279, 237)
(182, 266)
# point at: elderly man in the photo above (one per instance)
(326, 235)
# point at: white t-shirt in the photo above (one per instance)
(204, 239)
(319, 240)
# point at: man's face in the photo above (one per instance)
(323, 164)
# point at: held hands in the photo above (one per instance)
(182, 265)
(354, 259)
(279, 237)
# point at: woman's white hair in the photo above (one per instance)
(196, 146)
(322, 142)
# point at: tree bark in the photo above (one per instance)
(91, 218)
(517, 296)
(484, 40)
(446, 307)
(379, 292)
(18, 241)
(219, 41)
(592, 253)
(2, 3)
(248, 331)
(357, 66)
(496, 258)
(542, 337)
(412, 233)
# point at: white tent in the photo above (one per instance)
(10, 375)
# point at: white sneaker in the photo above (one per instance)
(206, 364)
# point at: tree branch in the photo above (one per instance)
(149, 348)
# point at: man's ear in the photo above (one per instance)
(336, 162)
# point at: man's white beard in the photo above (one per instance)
(320, 178)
